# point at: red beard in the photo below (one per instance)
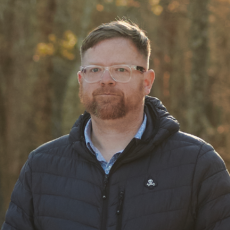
(109, 103)
(106, 103)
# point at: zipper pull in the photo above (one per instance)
(121, 198)
(106, 179)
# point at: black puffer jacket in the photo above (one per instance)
(168, 180)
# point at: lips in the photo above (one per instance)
(112, 92)
(107, 94)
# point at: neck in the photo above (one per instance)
(112, 136)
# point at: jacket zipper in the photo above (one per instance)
(119, 210)
(105, 190)
(105, 202)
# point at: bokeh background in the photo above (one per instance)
(39, 60)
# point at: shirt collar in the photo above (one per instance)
(88, 130)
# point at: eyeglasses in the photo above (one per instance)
(119, 73)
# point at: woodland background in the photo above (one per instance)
(39, 60)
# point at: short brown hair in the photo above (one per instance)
(120, 28)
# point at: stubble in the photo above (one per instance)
(109, 103)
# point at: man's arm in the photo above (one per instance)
(19, 216)
(211, 191)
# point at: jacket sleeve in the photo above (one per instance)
(19, 215)
(211, 193)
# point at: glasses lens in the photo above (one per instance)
(121, 73)
(92, 73)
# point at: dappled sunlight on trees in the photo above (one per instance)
(39, 61)
(155, 7)
(62, 47)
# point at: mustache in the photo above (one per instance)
(106, 91)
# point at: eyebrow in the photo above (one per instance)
(114, 63)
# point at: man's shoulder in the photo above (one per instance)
(59, 143)
(43, 157)
(187, 138)
(185, 147)
(181, 139)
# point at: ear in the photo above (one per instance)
(79, 77)
(149, 77)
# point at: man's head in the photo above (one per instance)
(114, 76)
(118, 29)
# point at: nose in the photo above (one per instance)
(106, 78)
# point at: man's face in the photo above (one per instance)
(108, 99)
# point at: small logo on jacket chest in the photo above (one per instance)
(150, 184)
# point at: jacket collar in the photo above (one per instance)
(160, 124)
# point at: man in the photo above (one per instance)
(125, 164)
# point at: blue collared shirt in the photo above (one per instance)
(104, 164)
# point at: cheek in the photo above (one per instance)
(140, 89)
(86, 89)
(135, 92)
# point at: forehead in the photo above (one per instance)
(113, 51)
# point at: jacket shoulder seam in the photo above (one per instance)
(47, 150)
(23, 185)
(10, 225)
(22, 210)
(216, 198)
(223, 169)
(194, 203)
(201, 143)
(214, 223)
(209, 150)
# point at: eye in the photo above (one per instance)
(95, 70)
(121, 69)
(141, 69)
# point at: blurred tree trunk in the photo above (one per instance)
(198, 121)
(169, 51)
(43, 86)
(18, 80)
(2, 148)
(219, 70)
(13, 89)
(166, 40)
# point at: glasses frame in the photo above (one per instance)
(104, 68)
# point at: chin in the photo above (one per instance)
(108, 110)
